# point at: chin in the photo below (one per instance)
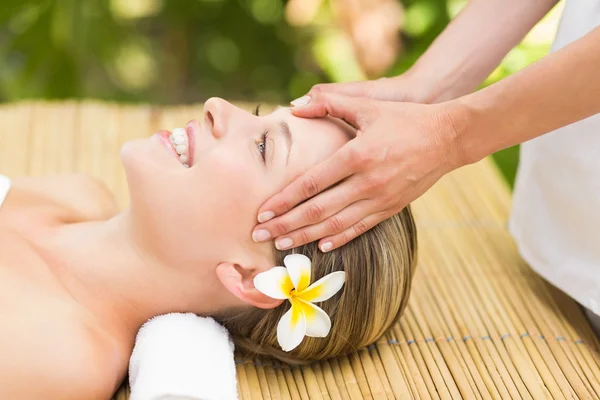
(130, 152)
(142, 165)
(145, 156)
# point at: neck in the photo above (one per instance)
(122, 283)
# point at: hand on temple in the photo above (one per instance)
(400, 151)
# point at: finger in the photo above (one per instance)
(353, 89)
(358, 228)
(313, 211)
(325, 174)
(333, 225)
(353, 110)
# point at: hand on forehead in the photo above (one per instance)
(327, 121)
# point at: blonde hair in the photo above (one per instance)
(379, 267)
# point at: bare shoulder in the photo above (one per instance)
(56, 357)
(82, 194)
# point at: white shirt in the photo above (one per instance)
(555, 218)
(4, 188)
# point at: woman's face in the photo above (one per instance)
(206, 213)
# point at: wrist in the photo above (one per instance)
(456, 137)
(432, 84)
(425, 85)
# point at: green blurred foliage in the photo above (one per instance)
(174, 51)
(181, 51)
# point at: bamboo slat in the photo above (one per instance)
(480, 323)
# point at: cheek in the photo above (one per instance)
(205, 209)
(231, 192)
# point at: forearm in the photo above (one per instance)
(558, 90)
(474, 43)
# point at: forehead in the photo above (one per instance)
(314, 139)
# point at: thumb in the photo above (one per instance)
(353, 110)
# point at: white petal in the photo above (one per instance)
(298, 266)
(324, 288)
(275, 283)
(318, 323)
(291, 328)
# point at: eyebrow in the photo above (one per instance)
(287, 134)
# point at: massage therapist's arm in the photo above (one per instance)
(462, 56)
(475, 42)
(402, 149)
(561, 89)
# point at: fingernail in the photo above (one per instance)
(302, 101)
(326, 246)
(265, 216)
(260, 235)
(284, 243)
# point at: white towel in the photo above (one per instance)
(182, 356)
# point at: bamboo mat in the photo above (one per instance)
(480, 324)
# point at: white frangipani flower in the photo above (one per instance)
(292, 282)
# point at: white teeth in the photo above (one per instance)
(179, 140)
(178, 132)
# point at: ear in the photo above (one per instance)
(239, 280)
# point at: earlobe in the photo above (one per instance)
(239, 281)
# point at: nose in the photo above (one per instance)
(216, 111)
